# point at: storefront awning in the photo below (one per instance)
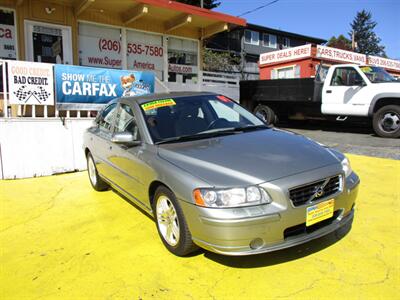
(163, 16)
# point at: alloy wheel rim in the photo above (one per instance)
(390, 121)
(167, 220)
(92, 171)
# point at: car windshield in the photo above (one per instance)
(195, 117)
(377, 75)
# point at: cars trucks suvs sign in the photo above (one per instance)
(340, 55)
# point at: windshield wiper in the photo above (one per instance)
(251, 128)
(193, 137)
(208, 134)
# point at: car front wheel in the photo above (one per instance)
(97, 183)
(171, 223)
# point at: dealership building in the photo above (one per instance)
(147, 35)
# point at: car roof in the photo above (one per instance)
(157, 96)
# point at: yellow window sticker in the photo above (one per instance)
(158, 103)
(366, 69)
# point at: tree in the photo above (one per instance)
(340, 42)
(209, 4)
(217, 61)
(367, 42)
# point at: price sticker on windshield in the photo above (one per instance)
(157, 104)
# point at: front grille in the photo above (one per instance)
(309, 192)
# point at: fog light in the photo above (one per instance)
(256, 243)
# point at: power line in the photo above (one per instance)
(258, 8)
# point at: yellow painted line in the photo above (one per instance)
(62, 240)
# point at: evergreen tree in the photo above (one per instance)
(367, 42)
(209, 4)
(340, 42)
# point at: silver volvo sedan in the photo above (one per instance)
(214, 175)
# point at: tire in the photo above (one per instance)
(171, 223)
(95, 180)
(267, 113)
(386, 121)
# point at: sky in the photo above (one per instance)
(322, 18)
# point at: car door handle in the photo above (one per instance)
(329, 91)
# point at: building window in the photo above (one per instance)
(182, 60)
(8, 46)
(269, 40)
(251, 37)
(286, 42)
(145, 52)
(100, 46)
(286, 72)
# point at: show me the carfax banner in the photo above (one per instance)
(30, 83)
(88, 88)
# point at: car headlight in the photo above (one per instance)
(346, 167)
(234, 197)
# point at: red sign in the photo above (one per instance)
(286, 54)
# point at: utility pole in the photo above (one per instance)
(202, 3)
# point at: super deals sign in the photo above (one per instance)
(85, 85)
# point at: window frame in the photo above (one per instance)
(345, 68)
(100, 117)
(251, 37)
(287, 40)
(270, 45)
(16, 26)
(135, 120)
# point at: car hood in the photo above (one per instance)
(247, 158)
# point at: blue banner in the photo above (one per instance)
(86, 85)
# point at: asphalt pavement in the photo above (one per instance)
(356, 139)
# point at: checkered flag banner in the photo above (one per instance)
(23, 94)
(41, 95)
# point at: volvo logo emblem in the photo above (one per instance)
(319, 192)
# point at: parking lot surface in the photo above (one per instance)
(357, 139)
(62, 240)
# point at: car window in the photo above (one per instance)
(126, 121)
(224, 110)
(169, 118)
(346, 77)
(106, 117)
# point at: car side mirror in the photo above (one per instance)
(125, 138)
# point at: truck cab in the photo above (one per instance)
(363, 91)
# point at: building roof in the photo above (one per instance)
(286, 33)
(164, 15)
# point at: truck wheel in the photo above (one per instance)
(386, 121)
(266, 113)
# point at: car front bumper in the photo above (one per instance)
(265, 228)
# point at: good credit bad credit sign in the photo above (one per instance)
(85, 85)
(30, 83)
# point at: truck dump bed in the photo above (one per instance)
(298, 90)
